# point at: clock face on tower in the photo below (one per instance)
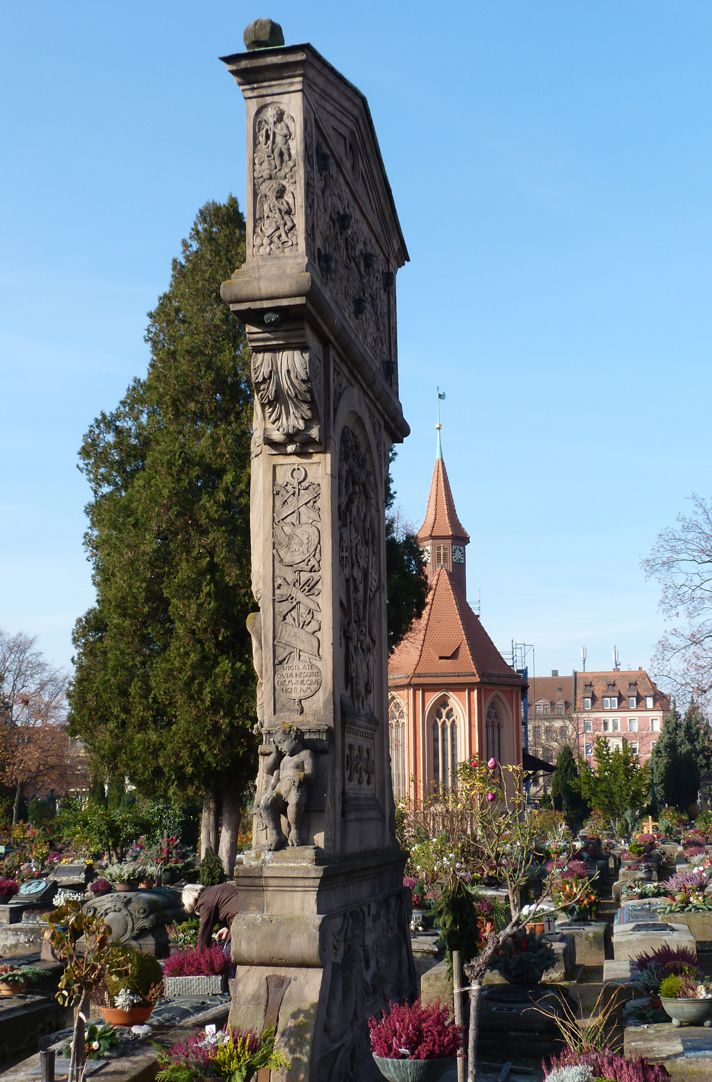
(458, 554)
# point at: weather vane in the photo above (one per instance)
(438, 426)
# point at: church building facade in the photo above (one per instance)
(451, 693)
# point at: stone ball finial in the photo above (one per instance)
(263, 34)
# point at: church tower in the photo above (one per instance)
(451, 693)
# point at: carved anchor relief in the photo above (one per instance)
(297, 588)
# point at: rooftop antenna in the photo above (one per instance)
(584, 655)
(479, 602)
(616, 660)
(438, 426)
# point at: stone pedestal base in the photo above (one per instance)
(590, 939)
(319, 949)
(630, 940)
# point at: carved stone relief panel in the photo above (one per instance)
(297, 586)
(274, 178)
(287, 384)
(367, 956)
(359, 560)
(351, 263)
(359, 759)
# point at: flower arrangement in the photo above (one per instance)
(100, 886)
(100, 1041)
(604, 1065)
(210, 962)
(692, 879)
(639, 889)
(417, 890)
(576, 898)
(414, 1031)
(185, 934)
(523, 958)
(225, 1053)
(648, 970)
(8, 887)
(683, 986)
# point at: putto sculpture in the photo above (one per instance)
(288, 773)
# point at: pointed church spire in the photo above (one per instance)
(442, 535)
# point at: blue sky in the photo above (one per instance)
(551, 163)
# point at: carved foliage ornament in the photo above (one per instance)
(274, 172)
(297, 587)
(360, 571)
(283, 382)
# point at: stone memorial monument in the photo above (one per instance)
(321, 940)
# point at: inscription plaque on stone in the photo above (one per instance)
(298, 680)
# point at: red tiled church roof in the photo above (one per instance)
(448, 641)
(441, 517)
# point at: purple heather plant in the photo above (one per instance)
(609, 1065)
(696, 879)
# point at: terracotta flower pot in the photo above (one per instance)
(135, 1017)
(413, 1070)
(124, 888)
(536, 926)
(13, 988)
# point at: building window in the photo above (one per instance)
(632, 725)
(606, 725)
(399, 746)
(649, 702)
(615, 725)
(634, 746)
(539, 708)
(632, 702)
(588, 749)
(560, 707)
(493, 731)
(587, 702)
(610, 702)
(654, 724)
(444, 745)
(442, 556)
(588, 725)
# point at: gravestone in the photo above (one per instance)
(321, 941)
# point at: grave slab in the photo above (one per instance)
(686, 1052)
(630, 940)
(589, 939)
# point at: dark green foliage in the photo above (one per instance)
(133, 970)
(211, 870)
(99, 829)
(40, 812)
(164, 685)
(682, 753)
(407, 583)
(456, 917)
(618, 786)
(565, 789)
(524, 957)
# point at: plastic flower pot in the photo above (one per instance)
(414, 1070)
(135, 1017)
(688, 1012)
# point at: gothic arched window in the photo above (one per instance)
(493, 730)
(399, 746)
(444, 734)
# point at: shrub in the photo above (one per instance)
(649, 970)
(211, 872)
(210, 962)
(9, 886)
(412, 1031)
(523, 958)
(678, 986)
(609, 1065)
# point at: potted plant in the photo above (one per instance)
(8, 887)
(221, 1053)
(183, 936)
(14, 980)
(125, 876)
(687, 1000)
(194, 972)
(148, 876)
(411, 1042)
(133, 982)
(100, 887)
(649, 969)
(80, 941)
(523, 958)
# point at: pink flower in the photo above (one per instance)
(490, 796)
(491, 763)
